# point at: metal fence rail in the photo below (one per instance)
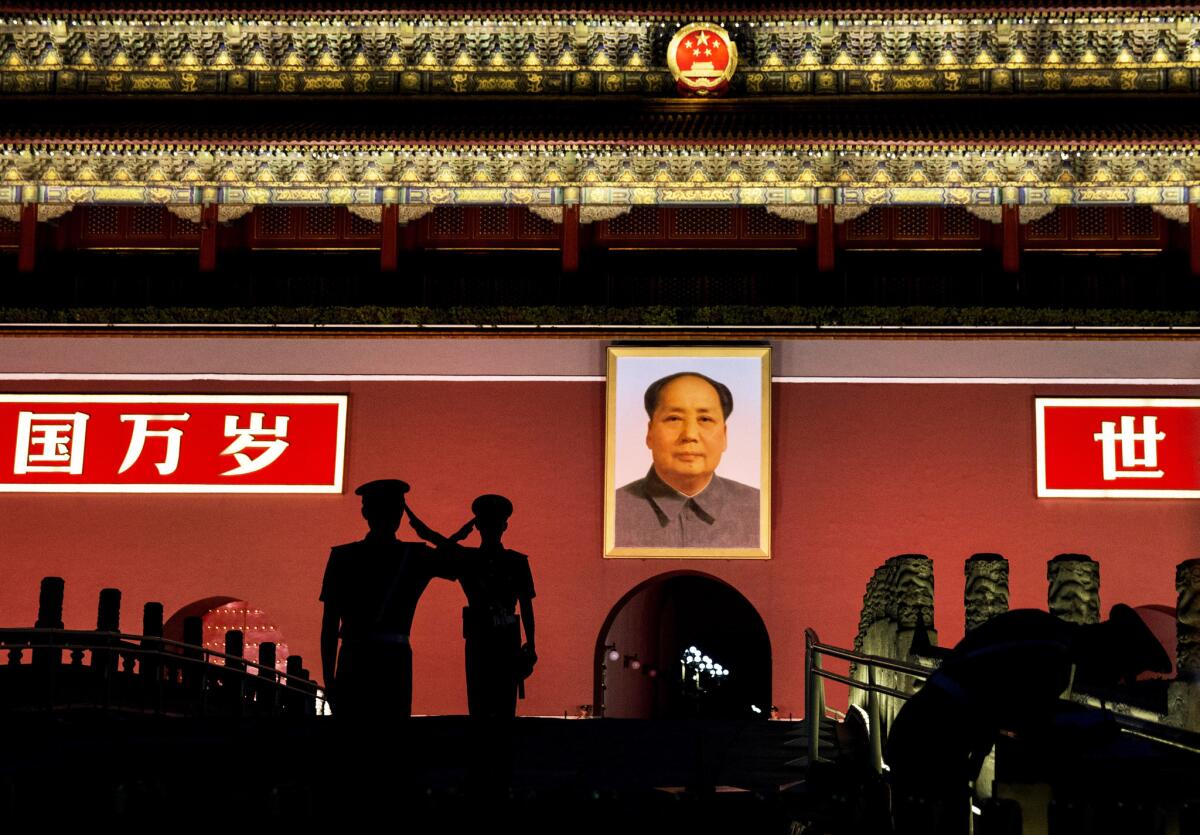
(1130, 721)
(814, 684)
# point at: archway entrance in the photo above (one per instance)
(683, 644)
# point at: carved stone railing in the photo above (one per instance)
(50, 667)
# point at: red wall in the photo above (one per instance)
(862, 472)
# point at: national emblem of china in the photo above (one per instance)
(702, 57)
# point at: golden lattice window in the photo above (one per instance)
(704, 223)
(640, 222)
(273, 222)
(958, 223)
(102, 222)
(1092, 222)
(493, 222)
(359, 227)
(533, 226)
(912, 222)
(1138, 222)
(866, 227)
(147, 222)
(320, 222)
(762, 224)
(447, 222)
(1049, 227)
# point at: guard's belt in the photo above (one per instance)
(484, 619)
(378, 638)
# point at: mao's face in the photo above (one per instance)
(686, 435)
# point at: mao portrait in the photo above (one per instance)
(688, 452)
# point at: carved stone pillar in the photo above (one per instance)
(1187, 626)
(1074, 592)
(1183, 695)
(912, 599)
(986, 593)
(911, 603)
(876, 633)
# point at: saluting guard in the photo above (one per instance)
(370, 592)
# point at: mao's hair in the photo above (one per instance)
(654, 392)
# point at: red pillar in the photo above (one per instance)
(1194, 236)
(27, 247)
(1011, 246)
(208, 237)
(825, 238)
(570, 238)
(389, 244)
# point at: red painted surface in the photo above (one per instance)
(388, 229)
(1194, 237)
(570, 238)
(861, 472)
(1011, 248)
(209, 219)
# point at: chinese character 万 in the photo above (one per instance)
(142, 431)
(1127, 439)
(246, 438)
(50, 443)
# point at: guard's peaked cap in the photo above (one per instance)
(491, 506)
(383, 489)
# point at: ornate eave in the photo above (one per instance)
(1163, 173)
(819, 52)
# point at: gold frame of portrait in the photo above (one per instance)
(763, 551)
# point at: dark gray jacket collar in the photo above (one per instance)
(668, 502)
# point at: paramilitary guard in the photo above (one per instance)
(495, 580)
(370, 591)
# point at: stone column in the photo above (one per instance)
(1074, 592)
(876, 633)
(986, 592)
(1184, 693)
(911, 603)
(912, 599)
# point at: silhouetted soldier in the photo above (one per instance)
(1006, 674)
(495, 580)
(370, 591)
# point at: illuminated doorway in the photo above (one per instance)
(683, 644)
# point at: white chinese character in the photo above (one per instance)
(245, 439)
(1109, 438)
(142, 431)
(50, 443)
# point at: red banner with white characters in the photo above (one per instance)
(101, 443)
(1118, 447)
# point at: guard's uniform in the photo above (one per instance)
(493, 581)
(374, 585)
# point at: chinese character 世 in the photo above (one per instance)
(49, 443)
(142, 431)
(1127, 439)
(246, 438)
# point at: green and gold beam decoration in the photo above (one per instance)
(913, 52)
(604, 180)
